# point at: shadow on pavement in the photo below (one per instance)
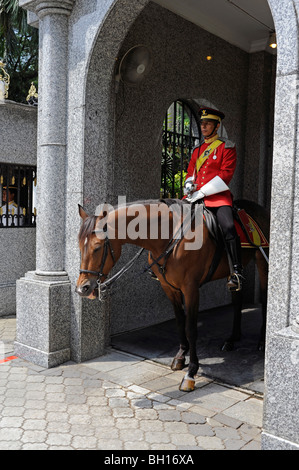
(243, 367)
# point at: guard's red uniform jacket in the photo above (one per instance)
(221, 162)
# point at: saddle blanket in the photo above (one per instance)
(250, 234)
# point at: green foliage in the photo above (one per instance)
(179, 178)
(173, 176)
(178, 141)
(18, 49)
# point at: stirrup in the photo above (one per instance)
(234, 283)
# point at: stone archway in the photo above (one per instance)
(94, 168)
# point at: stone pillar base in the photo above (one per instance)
(280, 426)
(43, 318)
(270, 442)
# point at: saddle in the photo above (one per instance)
(250, 233)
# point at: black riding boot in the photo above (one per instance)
(233, 247)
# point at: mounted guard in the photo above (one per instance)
(210, 170)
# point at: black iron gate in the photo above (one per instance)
(181, 133)
(17, 195)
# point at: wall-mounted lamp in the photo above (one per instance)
(272, 40)
(4, 82)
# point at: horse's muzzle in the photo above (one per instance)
(88, 289)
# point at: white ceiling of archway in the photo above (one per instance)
(243, 23)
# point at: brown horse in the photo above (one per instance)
(180, 270)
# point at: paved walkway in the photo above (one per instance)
(118, 402)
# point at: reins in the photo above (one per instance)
(107, 284)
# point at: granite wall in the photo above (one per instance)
(18, 124)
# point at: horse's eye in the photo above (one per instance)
(97, 248)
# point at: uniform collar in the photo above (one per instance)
(212, 139)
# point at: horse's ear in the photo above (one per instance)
(82, 212)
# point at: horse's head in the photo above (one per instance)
(97, 255)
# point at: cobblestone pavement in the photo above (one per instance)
(118, 402)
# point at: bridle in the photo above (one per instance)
(104, 286)
(100, 273)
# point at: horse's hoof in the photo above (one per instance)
(178, 363)
(227, 346)
(187, 385)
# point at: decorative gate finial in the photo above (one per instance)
(4, 82)
(32, 97)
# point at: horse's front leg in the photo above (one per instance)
(191, 309)
(179, 360)
(176, 299)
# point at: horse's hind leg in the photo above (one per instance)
(237, 300)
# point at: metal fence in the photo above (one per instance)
(17, 196)
(181, 133)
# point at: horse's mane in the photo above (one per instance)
(89, 223)
(146, 202)
(87, 227)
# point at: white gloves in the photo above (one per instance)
(195, 196)
(189, 186)
(215, 186)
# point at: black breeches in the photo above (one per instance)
(224, 215)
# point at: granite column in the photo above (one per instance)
(43, 296)
(281, 397)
